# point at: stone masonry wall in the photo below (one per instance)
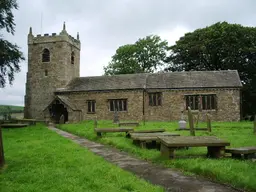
(134, 109)
(40, 88)
(228, 104)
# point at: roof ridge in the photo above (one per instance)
(156, 73)
(168, 80)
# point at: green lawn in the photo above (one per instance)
(38, 159)
(238, 173)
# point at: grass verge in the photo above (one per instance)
(238, 173)
(38, 159)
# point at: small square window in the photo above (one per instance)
(91, 106)
(155, 99)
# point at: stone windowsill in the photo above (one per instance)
(119, 111)
(205, 110)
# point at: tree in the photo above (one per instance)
(144, 56)
(7, 113)
(221, 46)
(10, 55)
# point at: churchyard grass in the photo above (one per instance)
(38, 159)
(238, 173)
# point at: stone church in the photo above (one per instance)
(54, 88)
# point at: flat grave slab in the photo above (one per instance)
(214, 145)
(144, 139)
(151, 136)
(14, 125)
(246, 152)
(128, 124)
(99, 131)
(187, 129)
(149, 131)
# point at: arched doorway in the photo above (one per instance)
(56, 110)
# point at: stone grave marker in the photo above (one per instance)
(191, 122)
(116, 117)
(95, 123)
(182, 122)
(209, 126)
(62, 119)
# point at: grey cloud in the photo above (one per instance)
(106, 25)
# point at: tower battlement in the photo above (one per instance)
(54, 37)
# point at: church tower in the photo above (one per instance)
(53, 60)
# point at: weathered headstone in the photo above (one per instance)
(62, 119)
(209, 126)
(182, 122)
(1, 149)
(116, 118)
(95, 123)
(191, 122)
(197, 119)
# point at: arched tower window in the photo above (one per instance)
(46, 55)
(72, 57)
(46, 73)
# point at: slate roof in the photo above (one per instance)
(65, 100)
(170, 80)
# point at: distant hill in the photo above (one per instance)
(13, 108)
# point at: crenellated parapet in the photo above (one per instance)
(54, 37)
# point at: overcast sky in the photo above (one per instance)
(104, 25)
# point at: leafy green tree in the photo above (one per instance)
(10, 55)
(144, 56)
(221, 46)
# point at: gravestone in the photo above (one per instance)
(191, 122)
(1, 149)
(182, 122)
(95, 123)
(209, 126)
(116, 118)
(62, 119)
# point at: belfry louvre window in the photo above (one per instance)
(91, 106)
(72, 58)
(46, 55)
(118, 104)
(155, 99)
(201, 102)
